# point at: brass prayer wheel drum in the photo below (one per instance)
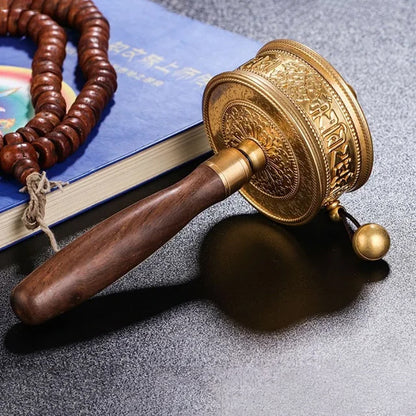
(307, 120)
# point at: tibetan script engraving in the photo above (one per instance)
(306, 87)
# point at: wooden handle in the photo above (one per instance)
(113, 247)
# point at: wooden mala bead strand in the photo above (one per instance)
(53, 134)
(101, 84)
(44, 31)
(93, 58)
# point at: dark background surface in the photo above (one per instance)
(237, 315)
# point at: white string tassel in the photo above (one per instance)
(37, 186)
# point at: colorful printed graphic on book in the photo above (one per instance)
(15, 103)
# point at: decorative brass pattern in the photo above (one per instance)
(307, 120)
(235, 86)
(346, 96)
(242, 120)
(319, 104)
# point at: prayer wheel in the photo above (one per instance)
(287, 131)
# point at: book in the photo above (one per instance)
(153, 125)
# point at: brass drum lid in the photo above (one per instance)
(306, 118)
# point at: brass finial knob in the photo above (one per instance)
(369, 241)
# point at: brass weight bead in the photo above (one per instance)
(371, 241)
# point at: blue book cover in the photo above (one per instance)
(163, 61)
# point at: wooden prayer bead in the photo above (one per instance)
(101, 91)
(85, 109)
(63, 146)
(87, 119)
(93, 42)
(24, 19)
(4, 13)
(93, 62)
(97, 99)
(79, 126)
(49, 7)
(86, 9)
(50, 97)
(13, 138)
(49, 39)
(56, 50)
(92, 57)
(11, 153)
(20, 4)
(41, 124)
(92, 15)
(49, 32)
(99, 26)
(40, 89)
(52, 108)
(45, 79)
(12, 20)
(96, 93)
(46, 151)
(90, 12)
(104, 75)
(96, 22)
(36, 23)
(76, 8)
(23, 168)
(28, 134)
(70, 133)
(100, 65)
(102, 82)
(52, 118)
(91, 103)
(37, 5)
(55, 32)
(44, 53)
(61, 11)
(47, 67)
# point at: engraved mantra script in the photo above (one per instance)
(242, 121)
(306, 87)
